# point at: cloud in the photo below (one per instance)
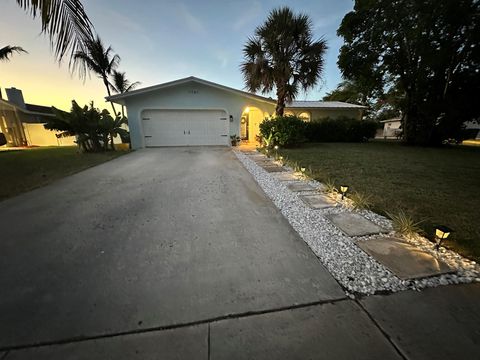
(252, 11)
(192, 22)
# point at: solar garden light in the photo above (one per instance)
(302, 169)
(276, 147)
(343, 190)
(441, 233)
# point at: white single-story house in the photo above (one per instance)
(392, 127)
(192, 111)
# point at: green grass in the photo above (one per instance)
(433, 185)
(24, 170)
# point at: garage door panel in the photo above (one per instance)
(185, 127)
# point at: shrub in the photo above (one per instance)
(283, 130)
(340, 130)
(404, 224)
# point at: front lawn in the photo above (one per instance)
(24, 170)
(434, 185)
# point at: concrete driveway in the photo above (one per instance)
(155, 239)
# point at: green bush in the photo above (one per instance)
(283, 130)
(340, 130)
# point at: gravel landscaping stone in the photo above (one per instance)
(354, 269)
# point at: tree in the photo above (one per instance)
(94, 129)
(99, 59)
(351, 92)
(8, 50)
(64, 21)
(120, 84)
(428, 49)
(283, 56)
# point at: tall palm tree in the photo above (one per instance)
(99, 59)
(65, 22)
(120, 84)
(8, 50)
(282, 55)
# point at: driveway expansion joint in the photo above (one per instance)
(208, 321)
(382, 331)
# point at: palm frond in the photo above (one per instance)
(8, 50)
(64, 21)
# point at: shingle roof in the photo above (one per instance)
(295, 104)
(39, 108)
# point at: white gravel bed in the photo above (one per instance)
(354, 269)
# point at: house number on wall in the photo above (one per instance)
(193, 91)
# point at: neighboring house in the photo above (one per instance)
(22, 123)
(392, 128)
(473, 128)
(192, 111)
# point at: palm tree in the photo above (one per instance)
(65, 21)
(8, 50)
(98, 59)
(282, 55)
(120, 84)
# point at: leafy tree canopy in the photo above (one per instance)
(428, 50)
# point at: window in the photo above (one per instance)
(288, 113)
(305, 116)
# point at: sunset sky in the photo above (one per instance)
(158, 41)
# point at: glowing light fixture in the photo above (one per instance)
(441, 233)
(276, 147)
(280, 158)
(343, 190)
(247, 110)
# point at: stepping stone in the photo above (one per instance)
(404, 260)
(354, 224)
(285, 176)
(300, 186)
(273, 168)
(317, 201)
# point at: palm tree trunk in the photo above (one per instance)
(105, 81)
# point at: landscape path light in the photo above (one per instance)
(343, 190)
(441, 233)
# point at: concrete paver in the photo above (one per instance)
(439, 323)
(300, 186)
(154, 238)
(354, 224)
(317, 201)
(404, 260)
(273, 168)
(285, 176)
(328, 331)
(177, 344)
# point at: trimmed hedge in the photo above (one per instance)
(286, 130)
(340, 130)
(290, 131)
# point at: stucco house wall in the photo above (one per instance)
(334, 113)
(191, 96)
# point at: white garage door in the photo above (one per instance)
(185, 127)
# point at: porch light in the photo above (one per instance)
(343, 190)
(441, 233)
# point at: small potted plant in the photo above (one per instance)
(235, 139)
